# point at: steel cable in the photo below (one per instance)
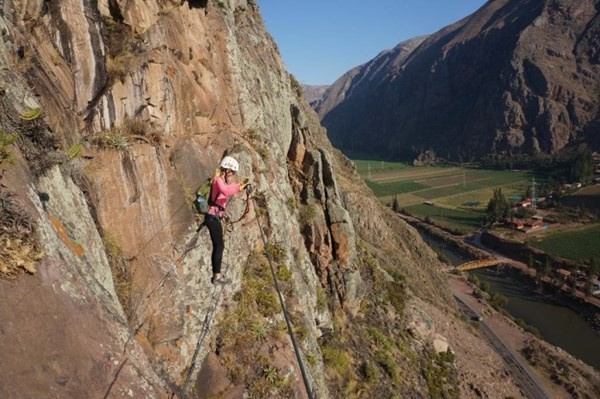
(285, 313)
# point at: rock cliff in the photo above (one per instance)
(514, 77)
(113, 112)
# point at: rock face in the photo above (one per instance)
(123, 108)
(514, 77)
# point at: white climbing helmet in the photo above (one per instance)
(230, 163)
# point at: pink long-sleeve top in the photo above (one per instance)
(220, 193)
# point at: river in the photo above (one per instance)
(558, 324)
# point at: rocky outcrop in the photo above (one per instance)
(514, 77)
(143, 100)
(328, 230)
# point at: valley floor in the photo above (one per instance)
(511, 335)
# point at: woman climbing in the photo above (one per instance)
(222, 188)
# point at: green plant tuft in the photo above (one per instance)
(31, 114)
(387, 362)
(296, 87)
(74, 151)
(338, 362)
(6, 140)
(291, 203)
(275, 252)
(441, 376)
(284, 274)
(307, 214)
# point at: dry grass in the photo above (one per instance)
(19, 252)
(121, 273)
(113, 138)
(123, 47)
(248, 330)
(119, 137)
(578, 380)
(118, 68)
(37, 144)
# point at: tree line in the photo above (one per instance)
(567, 167)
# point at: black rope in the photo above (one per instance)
(168, 222)
(285, 313)
(191, 245)
(178, 261)
(114, 380)
(227, 222)
(205, 328)
(160, 284)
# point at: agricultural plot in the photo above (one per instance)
(363, 166)
(587, 196)
(477, 200)
(417, 185)
(579, 245)
(396, 187)
(456, 197)
(452, 219)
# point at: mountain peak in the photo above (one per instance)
(514, 77)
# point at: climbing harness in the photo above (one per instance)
(227, 226)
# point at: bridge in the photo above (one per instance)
(478, 264)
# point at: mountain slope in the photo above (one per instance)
(361, 78)
(313, 92)
(514, 77)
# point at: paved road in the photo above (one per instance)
(528, 382)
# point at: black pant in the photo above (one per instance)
(215, 228)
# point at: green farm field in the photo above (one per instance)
(452, 197)
(452, 187)
(579, 245)
(588, 196)
(459, 221)
(363, 166)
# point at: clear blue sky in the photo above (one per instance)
(320, 40)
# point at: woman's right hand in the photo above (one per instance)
(243, 184)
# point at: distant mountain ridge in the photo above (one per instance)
(360, 78)
(313, 93)
(514, 77)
